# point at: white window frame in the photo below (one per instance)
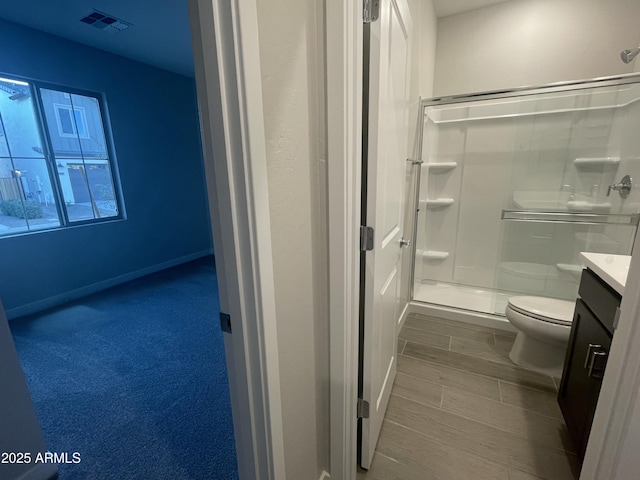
(59, 106)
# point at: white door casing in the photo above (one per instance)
(389, 67)
(228, 81)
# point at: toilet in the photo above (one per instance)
(543, 326)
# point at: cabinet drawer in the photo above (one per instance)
(599, 297)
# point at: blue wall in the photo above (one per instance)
(155, 130)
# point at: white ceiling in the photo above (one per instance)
(444, 8)
(159, 34)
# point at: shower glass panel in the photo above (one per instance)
(512, 189)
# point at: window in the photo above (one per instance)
(71, 126)
(56, 167)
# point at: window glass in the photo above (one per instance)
(27, 199)
(71, 183)
(77, 136)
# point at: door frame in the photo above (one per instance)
(344, 57)
(229, 87)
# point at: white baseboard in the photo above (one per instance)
(474, 318)
(61, 298)
(324, 476)
(403, 317)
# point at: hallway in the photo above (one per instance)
(461, 409)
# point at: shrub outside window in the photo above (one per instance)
(56, 167)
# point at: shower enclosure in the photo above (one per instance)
(514, 185)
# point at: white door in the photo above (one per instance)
(387, 145)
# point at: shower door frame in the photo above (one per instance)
(616, 80)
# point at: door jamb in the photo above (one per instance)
(344, 137)
(229, 86)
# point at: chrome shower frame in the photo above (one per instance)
(624, 79)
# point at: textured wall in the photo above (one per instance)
(291, 50)
(155, 131)
(534, 42)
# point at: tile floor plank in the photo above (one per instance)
(454, 329)
(437, 460)
(425, 338)
(418, 390)
(470, 326)
(476, 438)
(494, 353)
(520, 475)
(545, 403)
(443, 375)
(385, 468)
(401, 344)
(540, 428)
(510, 373)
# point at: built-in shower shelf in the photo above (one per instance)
(441, 167)
(433, 254)
(590, 163)
(436, 203)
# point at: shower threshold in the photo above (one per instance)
(465, 297)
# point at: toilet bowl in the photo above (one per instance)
(543, 326)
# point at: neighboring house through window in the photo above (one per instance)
(70, 125)
(56, 164)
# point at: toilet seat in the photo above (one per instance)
(550, 310)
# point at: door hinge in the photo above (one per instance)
(371, 10)
(366, 238)
(363, 408)
(225, 322)
(616, 318)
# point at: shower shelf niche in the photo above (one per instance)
(592, 163)
(432, 254)
(437, 203)
(441, 167)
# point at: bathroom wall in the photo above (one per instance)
(534, 42)
(155, 130)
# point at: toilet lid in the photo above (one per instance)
(550, 310)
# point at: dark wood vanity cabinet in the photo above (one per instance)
(586, 358)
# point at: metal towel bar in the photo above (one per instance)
(622, 219)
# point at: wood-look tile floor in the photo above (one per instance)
(460, 409)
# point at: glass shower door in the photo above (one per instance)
(513, 189)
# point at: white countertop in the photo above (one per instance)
(613, 269)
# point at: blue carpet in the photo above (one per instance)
(134, 379)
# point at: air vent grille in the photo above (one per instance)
(105, 22)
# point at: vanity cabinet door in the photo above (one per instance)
(582, 376)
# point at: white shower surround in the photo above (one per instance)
(506, 151)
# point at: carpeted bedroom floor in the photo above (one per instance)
(134, 379)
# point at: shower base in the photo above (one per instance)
(484, 301)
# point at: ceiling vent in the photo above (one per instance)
(105, 22)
